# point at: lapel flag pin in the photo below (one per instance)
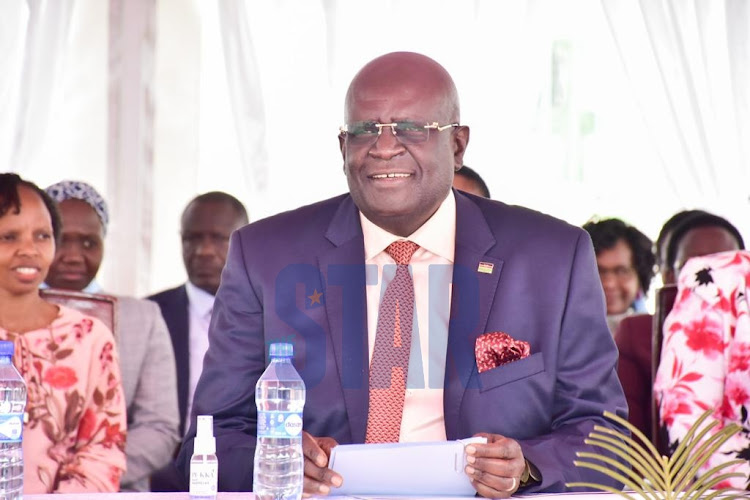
(485, 267)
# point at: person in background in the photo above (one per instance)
(705, 361)
(662, 242)
(74, 439)
(147, 361)
(469, 181)
(207, 223)
(626, 266)
(700, 233)
(491, 273)
(687, 234)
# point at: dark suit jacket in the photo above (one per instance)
(633, 339)
(174, 308)
(544, 289)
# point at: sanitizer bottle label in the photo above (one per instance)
(203, 479)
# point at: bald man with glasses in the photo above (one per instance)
(417, 313)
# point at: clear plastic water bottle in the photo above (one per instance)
(280, 397)
(12, 407)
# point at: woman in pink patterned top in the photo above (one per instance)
(705, 359)
(74, 439)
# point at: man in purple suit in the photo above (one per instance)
(314, 276)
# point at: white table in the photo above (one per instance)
(250, 496)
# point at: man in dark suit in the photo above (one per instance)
(207, 222)
(313, 276)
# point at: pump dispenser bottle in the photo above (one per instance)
(204, 467)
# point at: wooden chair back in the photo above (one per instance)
(100, 306)
(665, 298)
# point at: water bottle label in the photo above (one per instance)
(11, 427)
(203, 479)
(279, 424)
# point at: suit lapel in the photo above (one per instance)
(180, 330)
(346, 307)
(471, 301)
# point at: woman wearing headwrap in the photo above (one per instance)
(74, 440)
(85, 217)
(149, 376)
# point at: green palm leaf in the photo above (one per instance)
(654, 477)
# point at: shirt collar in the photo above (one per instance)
(437, 235)
(200, 300)
(93, 287)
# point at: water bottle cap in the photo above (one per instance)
(281, 350)
(6, 348)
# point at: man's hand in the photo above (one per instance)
(495, 468)
(318, 477)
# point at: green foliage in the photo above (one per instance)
(654, 477)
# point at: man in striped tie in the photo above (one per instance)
(395, 295)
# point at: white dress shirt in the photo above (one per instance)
(200, 306)
(432, 272)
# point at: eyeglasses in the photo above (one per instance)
(406, 132)
(619, 272)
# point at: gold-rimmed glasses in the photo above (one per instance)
(406, 132)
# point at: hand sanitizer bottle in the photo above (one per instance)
(204, 467)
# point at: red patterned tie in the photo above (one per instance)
(390, 357)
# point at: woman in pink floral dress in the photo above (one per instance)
(706, 355)
(74, 439)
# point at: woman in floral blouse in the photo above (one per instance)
(74, 439)
(705, 360)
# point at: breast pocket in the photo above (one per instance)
(511, 372)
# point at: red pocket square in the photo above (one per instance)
(498, 348)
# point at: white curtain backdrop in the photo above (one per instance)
(33, 39)
(53, 89)
(13, 21)
(130, 144)
(245, 91)
(688, 66)
(577, 108)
